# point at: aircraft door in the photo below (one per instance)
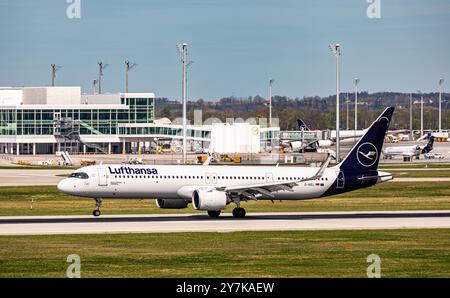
(340, 183)
(102, 177)
(269, 177)
(210, 178)
(207, 178)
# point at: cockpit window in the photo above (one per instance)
(79, 175)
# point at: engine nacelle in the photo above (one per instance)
(296, 145)
(210, 200)
(325, 143)
(171, 203)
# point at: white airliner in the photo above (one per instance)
(408, 151)
(345, 137)
(212, 188)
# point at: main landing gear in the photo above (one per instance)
(239, 212)
(214, 214)
(98, 204)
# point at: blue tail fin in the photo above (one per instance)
(429, 145)
(364, 156)
(302, 125)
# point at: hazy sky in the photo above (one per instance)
(236, 45)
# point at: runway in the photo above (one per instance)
(42, 225)
(19, 177)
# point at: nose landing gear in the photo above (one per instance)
(98, 204)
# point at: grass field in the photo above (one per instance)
(387, 196)
(435, 173)
(403, 253)
(432, 165)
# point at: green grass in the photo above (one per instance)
(403, 253)
(387, 196)
(415, 166)
(438, 173)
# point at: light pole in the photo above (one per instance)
(55, 68)
(101, 67)
(336, 50)
(356, 105)
(94, 83)
(421, 112)
(271, 81)
(410, 117)
(441, 81)
(128, 66)
(347, 102)
(182, 48)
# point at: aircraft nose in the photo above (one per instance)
(64, 186)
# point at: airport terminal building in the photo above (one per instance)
(44, 120)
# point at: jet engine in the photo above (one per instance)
(210, 200)
(171, 203)
(325, 143)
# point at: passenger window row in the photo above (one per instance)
(202, 177)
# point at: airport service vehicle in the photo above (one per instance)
(212, 188)
(408, 152)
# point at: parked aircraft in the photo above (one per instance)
(408, 151)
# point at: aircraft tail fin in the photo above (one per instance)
(302, 125)
(429, 145)
(365, 155)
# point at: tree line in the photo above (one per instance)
(317, 112)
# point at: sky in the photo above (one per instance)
(236, 45)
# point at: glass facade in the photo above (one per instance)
(269, 134)
(31, 121)
(167, 131)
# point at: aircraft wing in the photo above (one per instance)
(267, 188)
(398, 131)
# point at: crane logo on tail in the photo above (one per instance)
(367, 154)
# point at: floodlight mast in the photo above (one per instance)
(128, 67)
(55, 68)
(421, 112)
(336, 50)
(347, 101)
(182, 48)
(441, 81)
(410, 117)
(101, 67)
(271, 81)
(356, 105)
(94, 83)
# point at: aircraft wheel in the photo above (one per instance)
(96, 213)
(214, 214)
(239, 212)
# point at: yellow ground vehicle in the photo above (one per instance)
(87, 162)
(202, 158)
(165, 148)
(226, 158)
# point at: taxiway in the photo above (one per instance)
(41, 225)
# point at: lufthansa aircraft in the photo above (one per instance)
(409, 151)
(212, 188)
